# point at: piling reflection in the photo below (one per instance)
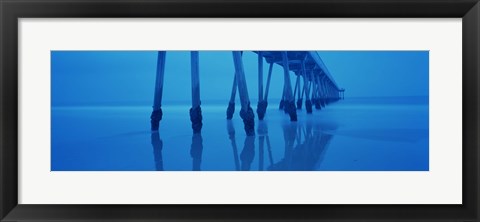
(196, 151)
(304, 147)
(262, 132)
(233, 142)
(248, 153)
(157, 145)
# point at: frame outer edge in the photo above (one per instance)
(8, 104)
(477, 182)
(3, 208)
(2, 214)
(477, 216)
(476, 149)
(8, 109)
(470, 118)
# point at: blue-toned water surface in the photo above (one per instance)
(348, 135)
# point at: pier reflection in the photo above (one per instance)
(303, 149)
(248, 153)
(263, 139)
(233, 142)
(196, 151)
(157, 145)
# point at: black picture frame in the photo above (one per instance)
(12, 10)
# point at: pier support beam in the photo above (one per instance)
(305, 83)
(314, 89)
(308, 84)
(301, 92)
(298, 90)
(262, 104)
(282, 101)
(327, 92)
(289, 99)
(195, 111)
(323, 79)
(231, 103)
(157, 99)
(323, 100)
(317, 93)
(246, 112)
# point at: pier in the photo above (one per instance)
(307, 80)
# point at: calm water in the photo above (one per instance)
(369, 134)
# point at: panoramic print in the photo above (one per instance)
(239, 110)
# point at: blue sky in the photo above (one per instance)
(128, 77)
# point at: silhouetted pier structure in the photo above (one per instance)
(342, 93)
(313, 81)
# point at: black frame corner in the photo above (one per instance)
(12, 10)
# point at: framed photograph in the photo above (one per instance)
(228, 110)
